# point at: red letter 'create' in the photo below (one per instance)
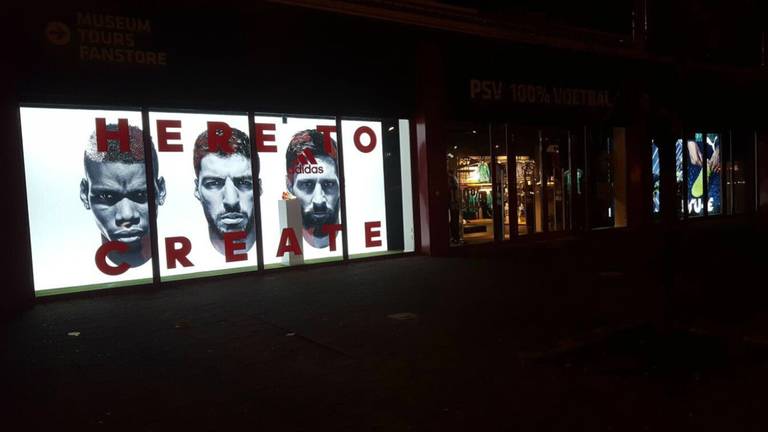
(233, 242)
(173, 254)
(101, 258)
(331, 230)
(288, 243)
(370, 234)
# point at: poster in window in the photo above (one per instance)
(87, 198)
(703, 152)
(208, 226)
(364, 180)
(301, 189)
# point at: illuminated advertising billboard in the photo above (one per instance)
(220, 195)
(655, 178)
(209, 222)
(364, 175)
(87, 197)
(301, 189)
(703, 151)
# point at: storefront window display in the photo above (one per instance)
(562, 181)
(703, 180)
(526, 146)
(227, 195)
(376, 155)
(602, 211)
(301, 189)
(471, 189)
(575, 175)
(739, 174)
(701, 187)
(679, 184)
(501, 182)
(208, 222)
(87, 198)
(556, 164)
(726, 185)
(655, 179)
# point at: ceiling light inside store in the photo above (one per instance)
(391, 128)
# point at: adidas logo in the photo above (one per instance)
(306, 164)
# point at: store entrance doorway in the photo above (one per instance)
(470, 179)
(509, 180)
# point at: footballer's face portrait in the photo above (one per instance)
(225, 187)
(116, 194)
(318, 191)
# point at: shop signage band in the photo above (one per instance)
(496, 91)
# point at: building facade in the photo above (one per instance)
(154, 144)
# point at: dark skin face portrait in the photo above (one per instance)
(116, 194)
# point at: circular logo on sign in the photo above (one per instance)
(57, 33)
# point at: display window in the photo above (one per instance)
(602, 172)
(373, 178)
(301, 217)
(87, 198)
(526, 145)
(225, 195)
(655, 179)
(714, 174)
(562, 180)
(679, 179)
(207, 226)
(739, 173)
(471, 209)
(556, 166)
(703, 179)
(502, 179)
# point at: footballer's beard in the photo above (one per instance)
(313, 225)
(216, 233)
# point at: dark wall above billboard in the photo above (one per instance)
(166, 55)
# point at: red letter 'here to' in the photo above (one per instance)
(173, 254)
(327, 131)
(260, 138)
(101, 258)
(371, 139)
(288, 243)
(163, 135)
(233, 241)
(122, 134)
(219, 134)
(370, 234)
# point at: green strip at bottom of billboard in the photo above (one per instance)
(94, 287)
(310, 261)
(373, 254)
(208, 274)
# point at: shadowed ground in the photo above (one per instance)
(571, 336)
